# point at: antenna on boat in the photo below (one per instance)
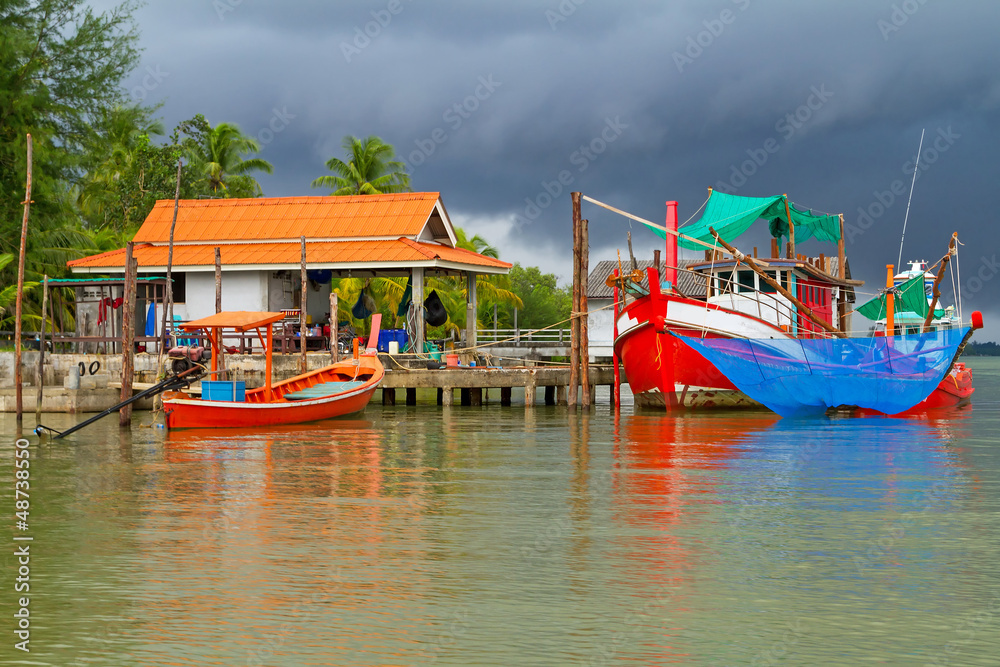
(916, 164)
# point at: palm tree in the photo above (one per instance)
(370, 169)
(219, 157)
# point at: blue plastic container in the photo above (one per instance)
(224, 390)
(386, 335)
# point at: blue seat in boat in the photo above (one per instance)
(323, 390)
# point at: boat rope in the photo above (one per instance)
(699, 208)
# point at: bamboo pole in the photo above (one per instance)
(935, 292)
(168, 307)
(128, 334)
(303, 363)
(574, 356)
(791, 229)
(40, 373)
(805, 310)
(334, 328)
(18, 308)
(584, 323)
(218, 280)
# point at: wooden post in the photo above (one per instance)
(20, 292)
(303, 363)
(128, 334)
(218, 280)
(40, 373)
(168, 307)
(574, 355)
(890, 315)
(841, 255)
(791, 229)
(587, 397)
(614, 353)
(334, 326)
(656, 261)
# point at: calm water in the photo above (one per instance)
(494, 537)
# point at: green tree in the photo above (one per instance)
(61, 67)
(217, 155)
(370, 169)
(544, 302)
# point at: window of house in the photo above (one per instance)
(180, 287)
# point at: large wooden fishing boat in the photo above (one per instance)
(333, 391)
(664, 338)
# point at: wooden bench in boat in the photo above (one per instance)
(323, 390)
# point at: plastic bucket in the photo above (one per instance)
(393, 347)
(451, 359)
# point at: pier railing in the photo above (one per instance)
(522, 337)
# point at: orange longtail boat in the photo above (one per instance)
(339, 389)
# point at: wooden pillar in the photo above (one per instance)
(418, 311)
(550, 395)
(388, 396)
(841, 255)
(616, 399)
(334, 326)
(18, 380)
(505, 393)
(587, 397)
(218, 280)
(791, 229)
(411, 396)
(128, 334)
(40, 373)
(471, 309)
(574, 356)
(303, 363)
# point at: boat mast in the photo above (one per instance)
(916, 164)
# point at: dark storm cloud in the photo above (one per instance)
(491, 102)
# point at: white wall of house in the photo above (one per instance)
(241, 290)
(601, 328)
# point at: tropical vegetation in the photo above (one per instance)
(370, 169)
(102, 160)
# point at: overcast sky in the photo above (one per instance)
(631, 102)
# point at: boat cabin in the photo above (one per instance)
(815, 282)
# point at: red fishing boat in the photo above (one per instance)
(333, 391)
(784, 298)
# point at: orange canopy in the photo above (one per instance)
(241, 320)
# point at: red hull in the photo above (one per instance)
(260, 410)
(954, 391)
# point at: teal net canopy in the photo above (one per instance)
(908, 297)
(732, 215)
(798, 377)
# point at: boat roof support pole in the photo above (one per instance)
(791, 229)
(890, 320)
(267, 362)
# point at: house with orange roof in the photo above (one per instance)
(407, 234)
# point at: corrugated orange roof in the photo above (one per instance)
(403, 251)
(270, 218)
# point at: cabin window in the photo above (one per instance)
(746, 281)
(725, 282)
(765, 287)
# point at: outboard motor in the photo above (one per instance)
(184, 357)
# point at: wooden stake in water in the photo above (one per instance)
(128, 334)
(18, 380)
(303, 363)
